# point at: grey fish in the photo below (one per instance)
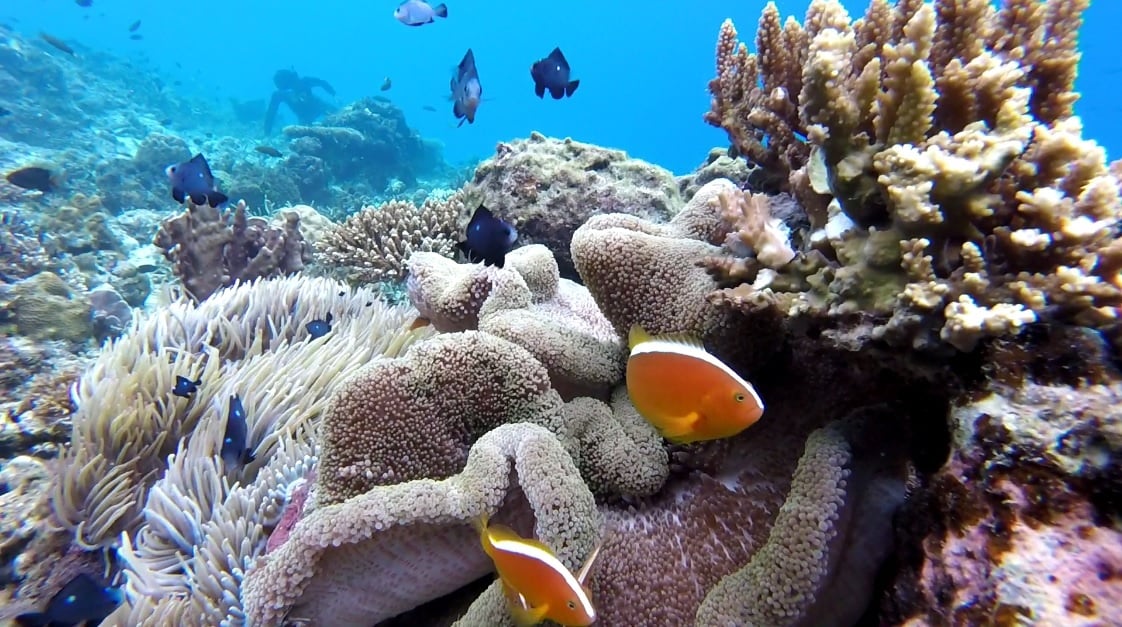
(193, 179)
(552, 73)
(466, 90)
(419, 13)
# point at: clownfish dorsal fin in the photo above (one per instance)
(586, 567)
(502, 533)
(636, 336)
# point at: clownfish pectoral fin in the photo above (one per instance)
(524, 617)
(679, 430)
(513, 597)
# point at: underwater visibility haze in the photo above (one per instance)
(415, 313)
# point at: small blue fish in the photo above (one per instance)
(466, 90)
(419, 13)
(319, 328)
(488, 238)
(234, 451)
(81, 601)
(185, 387)
(193, 179)
(552, 73)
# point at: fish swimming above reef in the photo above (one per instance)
(539, 587)
(488, 238)
(234, 451)
(33, 177)
(466, 90)
(136, 37)
(552, 73)
(268, 150)
(419, 13)
(57, 43)
(386, 84)
(185, 387)
(81, 601)
(685, 391)
(84, 3)
(134, 26)
(193, 179)
(319, 328)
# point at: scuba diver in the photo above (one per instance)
(296, 92)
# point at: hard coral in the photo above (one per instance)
(375, 243)
(966, 204)
(210, 248)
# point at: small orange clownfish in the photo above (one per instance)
(537, 585)
(685, 391)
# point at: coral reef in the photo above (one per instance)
(373, 244)
(963, 203)
(141, 460)
(548, 187)
(211, 248)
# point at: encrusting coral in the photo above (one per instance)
(142, 471)
(374, 244)
(210, 248)
(965, 202)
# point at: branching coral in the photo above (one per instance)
(142, 469)
(374, 244)
(210, 249)
(966, 203)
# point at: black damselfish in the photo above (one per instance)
(319, 328)
(185, 387)
(234, 451)
(552, 73)
(193, 179)
(488, 238)
(81, 601)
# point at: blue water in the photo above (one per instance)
(643, 66)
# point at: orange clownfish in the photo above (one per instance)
(685, 391)
(537, 585)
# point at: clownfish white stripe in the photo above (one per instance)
(654, 346)
(533, 552)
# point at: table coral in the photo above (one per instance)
(965, 203)
(210, 248)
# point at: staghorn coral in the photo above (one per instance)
(142, 469)
(526, 303)
(966, 204)
(210, 249)
(375, 243)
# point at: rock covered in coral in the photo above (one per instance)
(211, 248)
(45, 307)
(548, 187)
(367, 141)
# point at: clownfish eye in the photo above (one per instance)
(739, 397)
(572, 605)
